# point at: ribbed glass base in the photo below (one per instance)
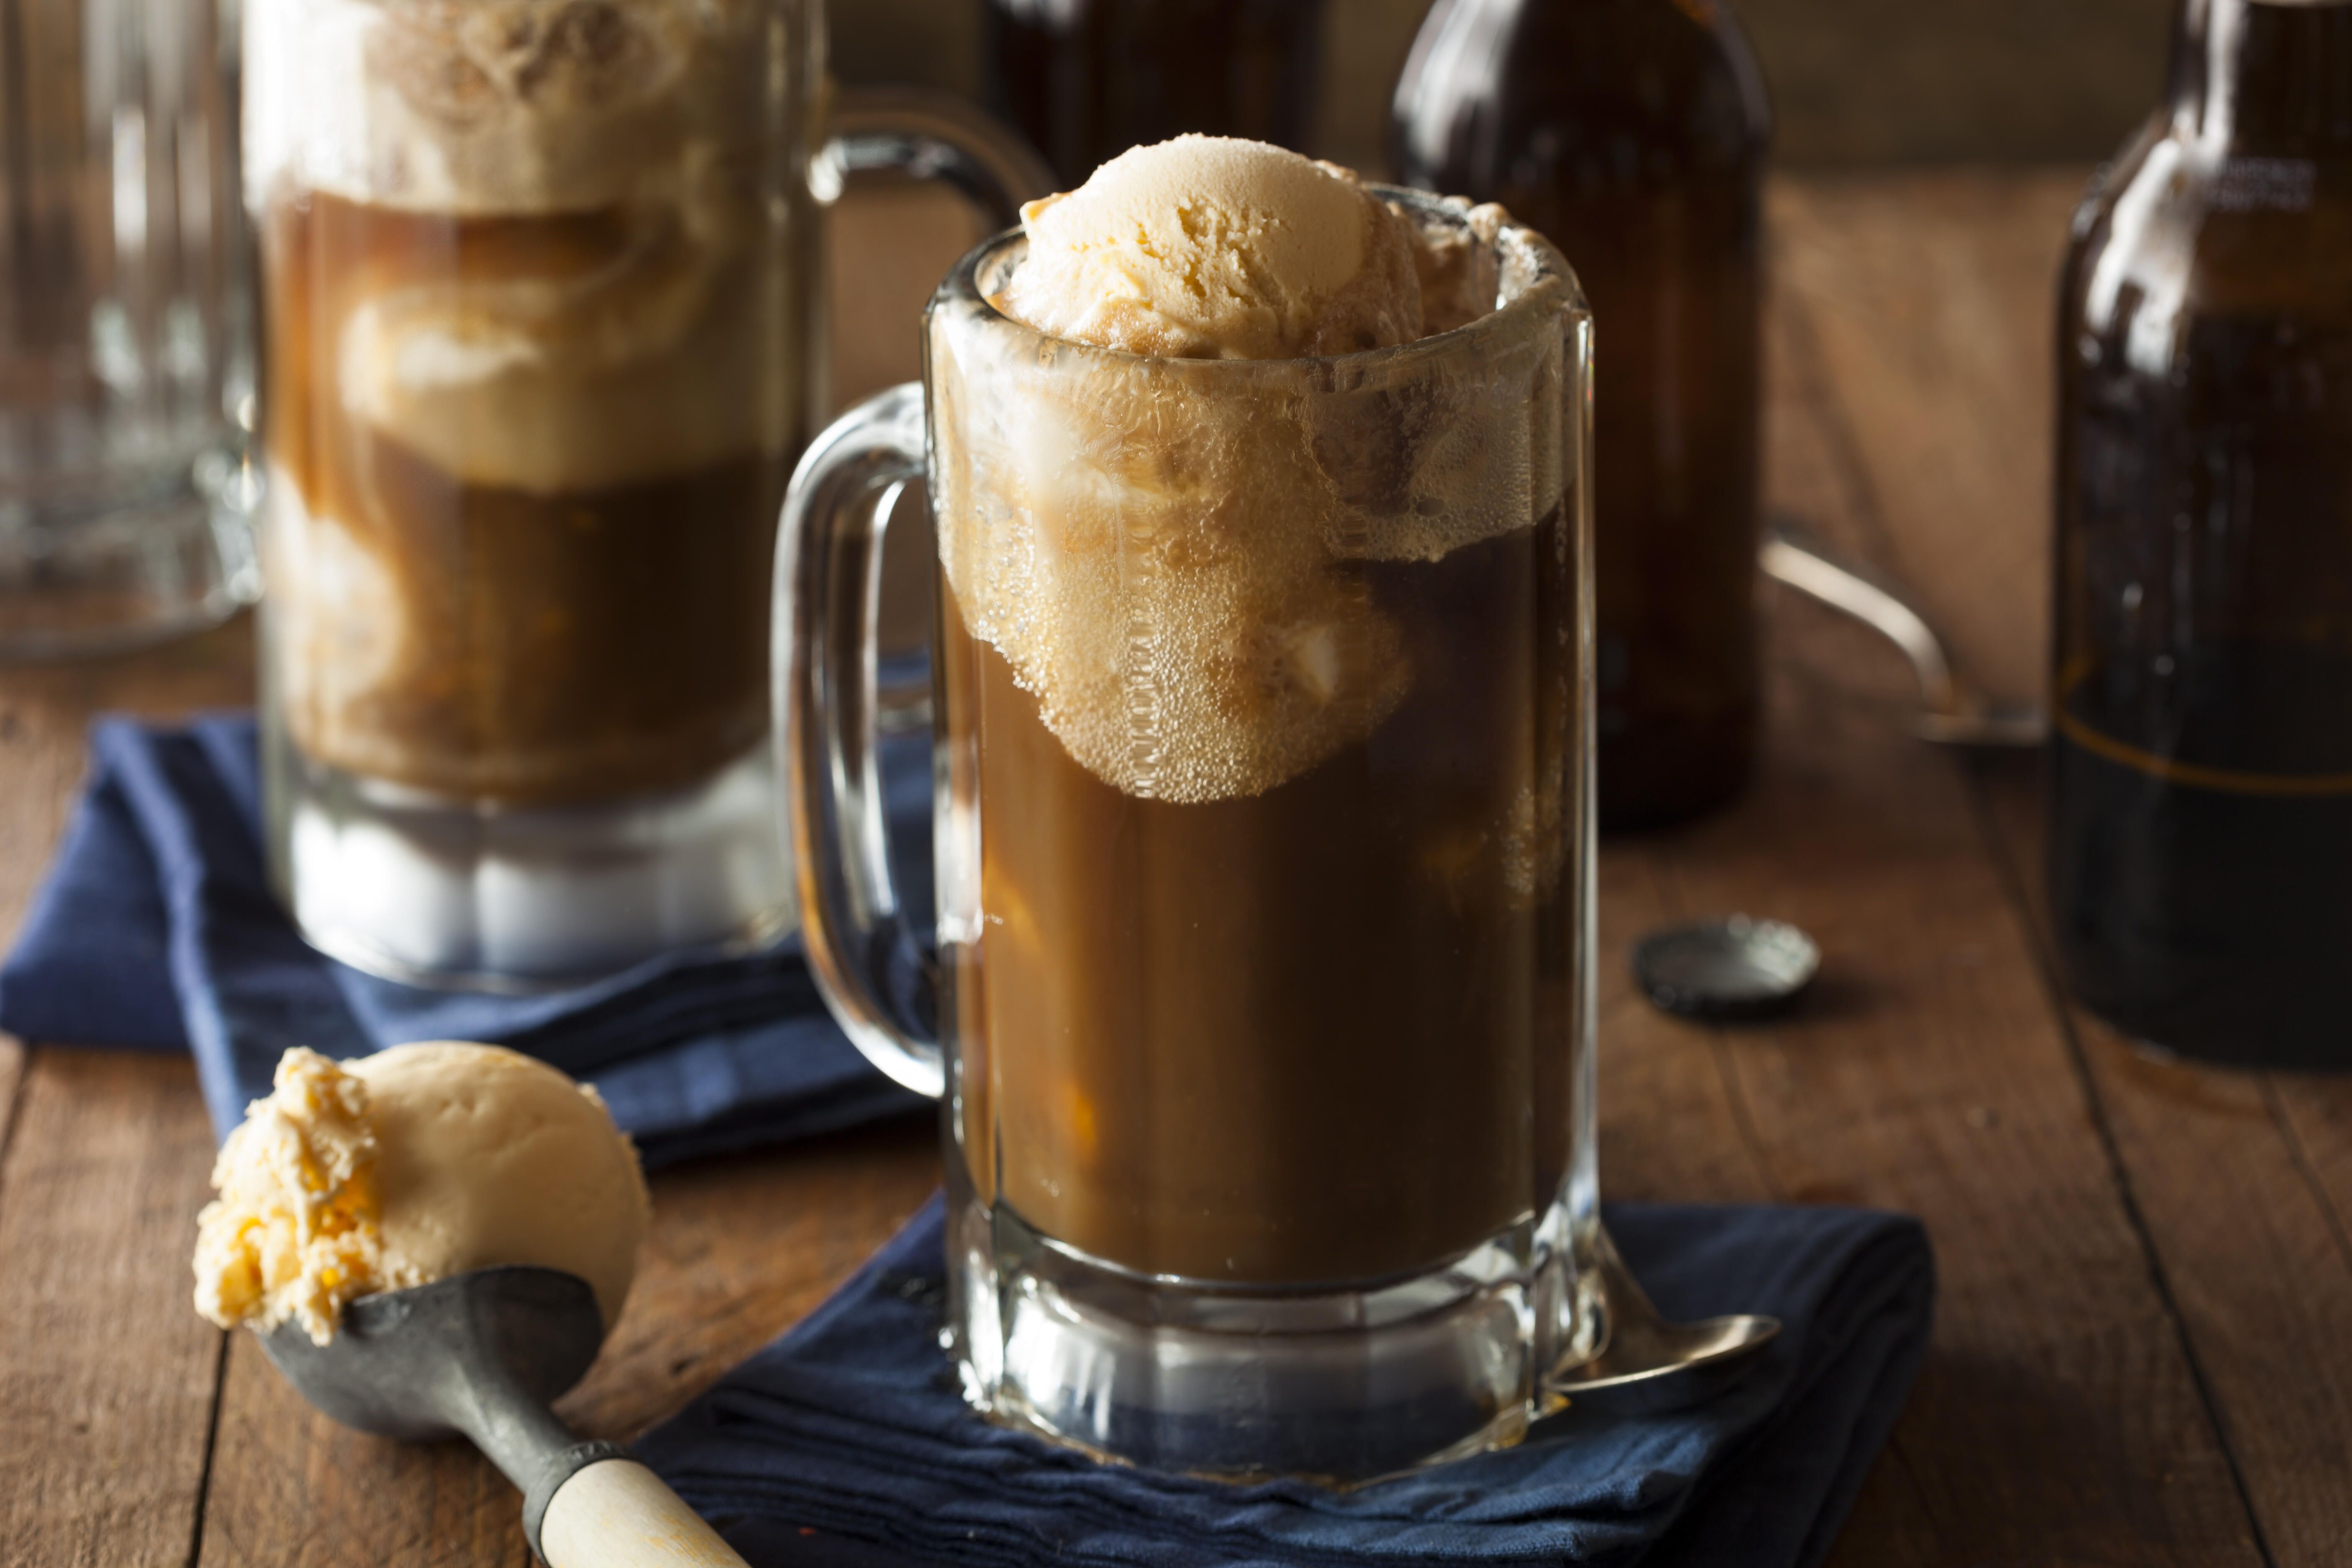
(472, 895)
(1340, 1385)
(104, 580)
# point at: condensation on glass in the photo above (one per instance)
(1262, 1003)
(2201, 838)
(125, 358)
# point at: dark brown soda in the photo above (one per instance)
(1311, 1035)
(2201, 868)
(2201, 848)
(1087, 79)
(1633, 133)
(555, 645)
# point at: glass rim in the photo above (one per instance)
(1542, 285)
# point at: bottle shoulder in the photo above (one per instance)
(1675, 78)
(2185, 226)
(1680, 73)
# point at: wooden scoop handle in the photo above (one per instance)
(617, 1513)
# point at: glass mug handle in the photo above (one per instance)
(827, 593)
(827, 599)
(930, 136)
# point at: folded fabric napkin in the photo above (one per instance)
(846, 1443)
(156, 927)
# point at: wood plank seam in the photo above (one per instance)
(9, 1115)
(106, 1372)
(1719, 1055)
(1809, 367)
(212, 1443)
(2102, 1128)
(2299, 1154)
(2287, 1407)
(1742, 1116)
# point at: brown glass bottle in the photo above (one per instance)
(2201, 836)
(1087, 79)
(1632, 133)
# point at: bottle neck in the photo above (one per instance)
(2264, 75)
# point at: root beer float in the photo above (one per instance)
(1262, 683)
(535, 315)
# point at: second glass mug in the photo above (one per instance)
(543, 317)
(1262, 1007)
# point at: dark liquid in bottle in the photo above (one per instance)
(1087, 79)
(1633, 135)
(2201, 848)
(2203, 873)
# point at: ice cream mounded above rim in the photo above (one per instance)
(1173, 550)
(1214, 247)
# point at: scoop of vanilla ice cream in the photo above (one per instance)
(488, 1156)
(407, 1166)
(1212, 248)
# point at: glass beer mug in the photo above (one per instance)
(1261, 1005)
(542, 310)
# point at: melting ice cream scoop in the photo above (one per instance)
(411, 1165)
(1212, 247)
(436, 1240)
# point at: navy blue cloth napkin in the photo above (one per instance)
(156, 927)
(846, 1443)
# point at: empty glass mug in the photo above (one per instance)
(542, 309)
(125, 343)
(1262, 1004)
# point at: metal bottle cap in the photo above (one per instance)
(1732, 968)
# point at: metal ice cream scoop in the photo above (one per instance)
(1647, 1364)
(483, 1354)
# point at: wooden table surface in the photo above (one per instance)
(2143, 1345)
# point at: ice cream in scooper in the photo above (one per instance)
(434, 1240)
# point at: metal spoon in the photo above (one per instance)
(1647, 1364)
(483, 1353)
(1951, 712)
